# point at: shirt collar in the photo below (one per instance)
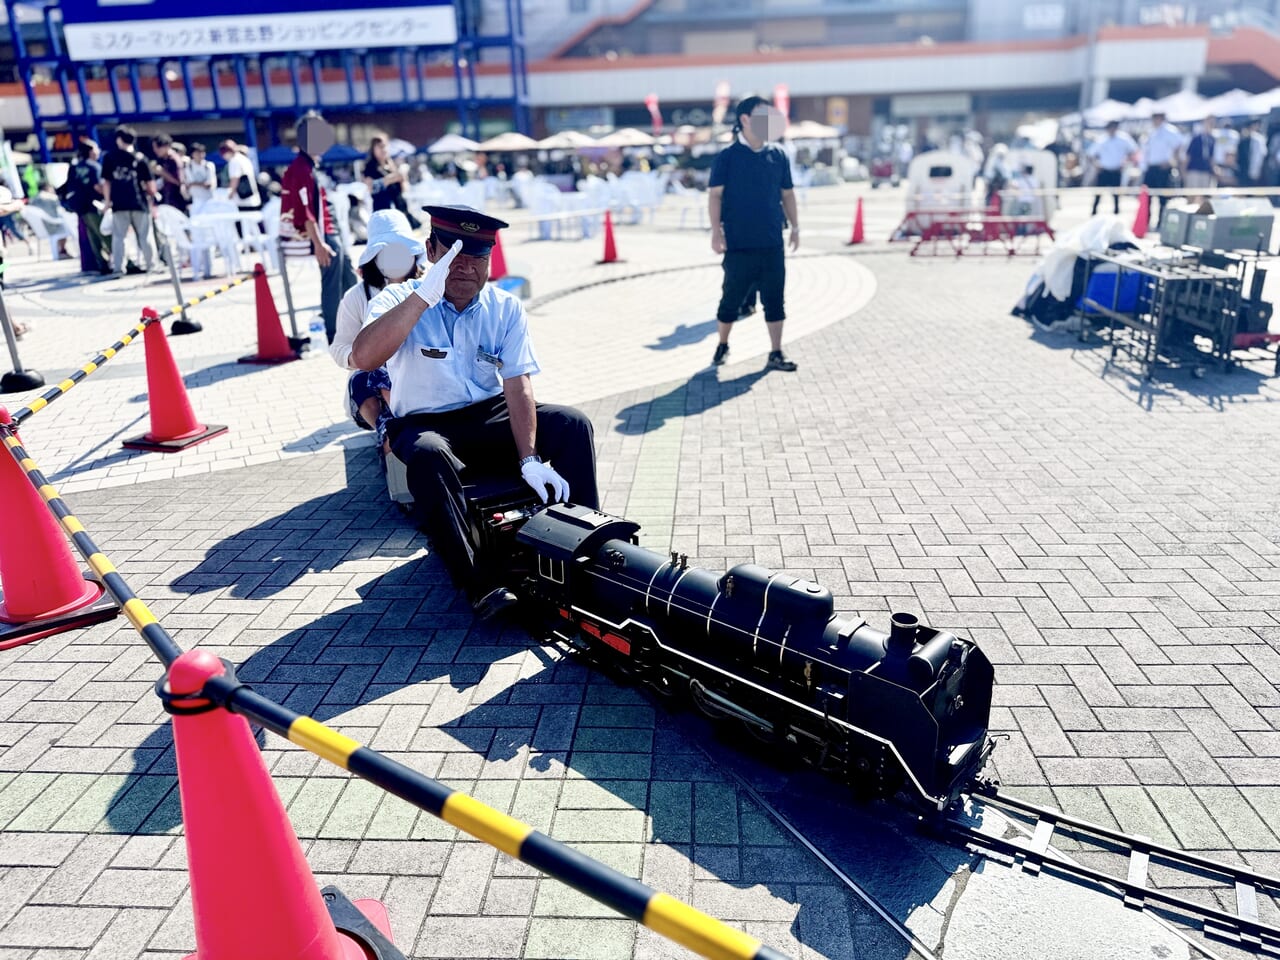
(743, 140)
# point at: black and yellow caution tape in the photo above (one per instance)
(665, 915)
(143, 620)
(23, 414)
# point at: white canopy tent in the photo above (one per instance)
(626, 137)
(452, 143)
(567, 140)
(509, 142)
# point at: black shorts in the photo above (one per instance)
(765, 269)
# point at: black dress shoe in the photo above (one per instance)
(493, 603)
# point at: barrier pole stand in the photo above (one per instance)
(299, 343)
(184, 324)
(20, 379)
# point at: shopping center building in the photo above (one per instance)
(547, 65)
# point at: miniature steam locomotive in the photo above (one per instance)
(904, 710)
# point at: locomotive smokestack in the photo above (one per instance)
(902, 634)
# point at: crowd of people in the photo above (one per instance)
(114, 193)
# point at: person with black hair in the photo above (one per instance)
(79, 193)
(169, 167)
(129, 192)
(750, 193)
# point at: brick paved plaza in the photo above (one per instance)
(1114, 547)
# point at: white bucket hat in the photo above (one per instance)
(390, 228)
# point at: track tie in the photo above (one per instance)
(1139, 860)
(1033, 859)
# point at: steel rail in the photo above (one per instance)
(1243, 928)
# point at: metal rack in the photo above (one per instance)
(1163, 310)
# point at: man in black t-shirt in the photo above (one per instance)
(750, 192)
(129, 189)
(83, 187)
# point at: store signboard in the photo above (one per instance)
(132, 29)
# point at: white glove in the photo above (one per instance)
(431, 286)
(540, 476)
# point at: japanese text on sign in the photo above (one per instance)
(262, 33)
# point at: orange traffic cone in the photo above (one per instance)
(252, 891)
(610, 247)
(858, 236)
(1144, 213)
(273, 347)
(42, 591)
(174, 425)
(497, 259)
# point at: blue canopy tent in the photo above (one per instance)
(341, 153)
(277, 156)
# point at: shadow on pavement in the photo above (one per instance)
(521, 726)
(683, 335)
(704, 391)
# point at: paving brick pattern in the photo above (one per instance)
(1112, 546)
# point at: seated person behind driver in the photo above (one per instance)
(460, 359)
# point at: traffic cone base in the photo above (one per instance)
(94, 605)
(364, 928)
(149, 442)
(268, 361)
(273, 346)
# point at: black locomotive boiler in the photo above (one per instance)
(907, 709)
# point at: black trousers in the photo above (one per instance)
(764, 268)
(437, 448)
(1157, 178)
(1108, 178)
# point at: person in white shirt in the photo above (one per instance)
(1160, 154)
(200, 177)
(242, 182)
(392, 255)
(1108, 157)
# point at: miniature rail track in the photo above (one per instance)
(1244, 928)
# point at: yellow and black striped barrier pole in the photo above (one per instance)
(673, 919)
(23, 414)
(143, 620)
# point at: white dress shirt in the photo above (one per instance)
(452, 359)
(1111, 152)
(1162, 147)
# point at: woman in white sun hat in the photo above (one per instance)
(392, 255)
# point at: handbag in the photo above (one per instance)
(244, 188)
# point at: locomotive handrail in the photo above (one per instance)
(23, 414)
(637, 901)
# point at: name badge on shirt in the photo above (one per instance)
(433, 353)
(482, 357)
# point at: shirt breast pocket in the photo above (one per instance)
(485, 366)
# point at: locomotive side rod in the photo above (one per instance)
(1242, 928)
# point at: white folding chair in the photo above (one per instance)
(46, 230)
(215, 229)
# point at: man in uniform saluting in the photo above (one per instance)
(460, 359)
